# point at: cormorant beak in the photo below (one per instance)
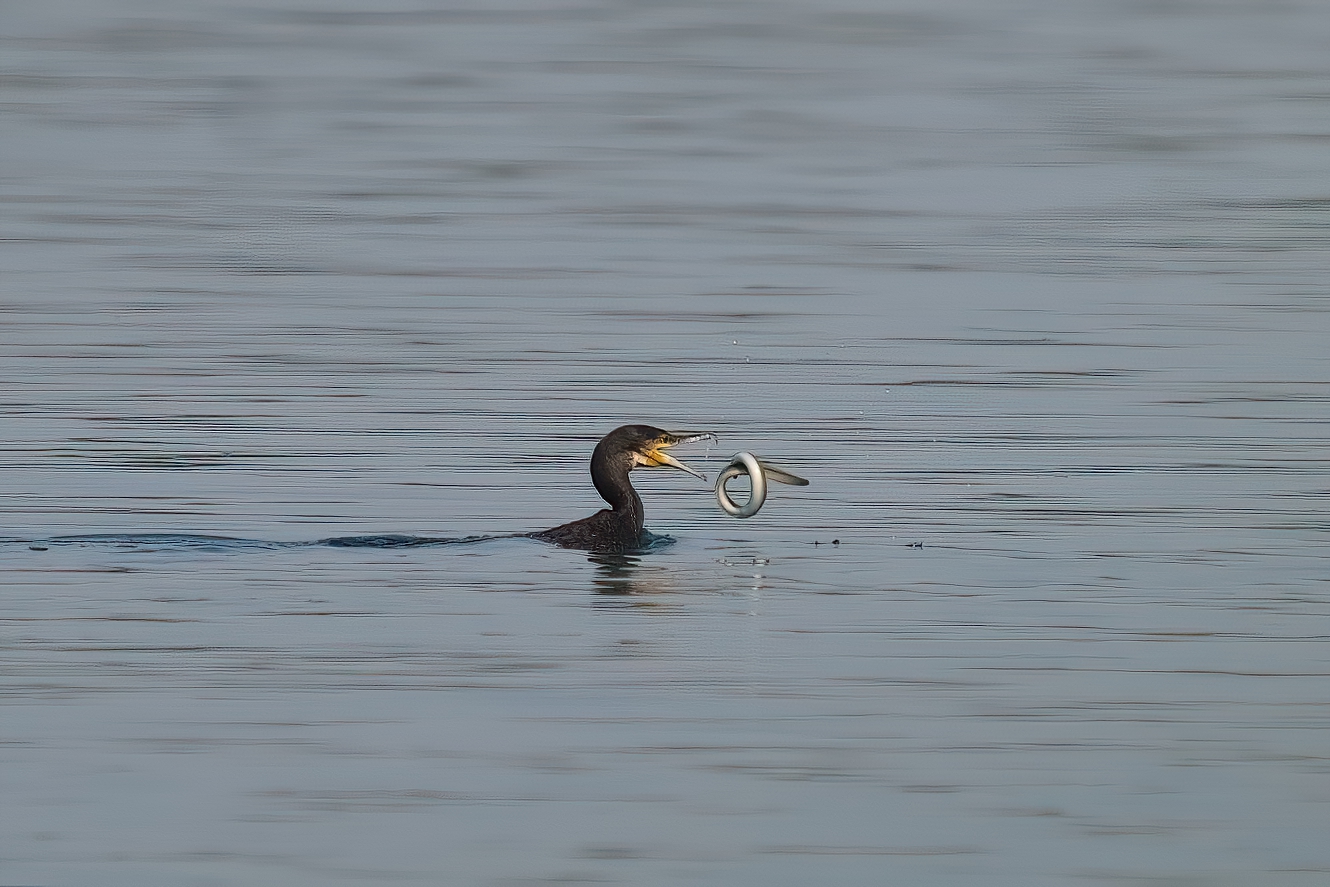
(656, 457)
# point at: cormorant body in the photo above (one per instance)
(620, 527)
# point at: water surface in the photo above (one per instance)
(1034, 294)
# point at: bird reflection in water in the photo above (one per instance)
(615, 572)
(619, 574)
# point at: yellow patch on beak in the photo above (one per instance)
(655, 457)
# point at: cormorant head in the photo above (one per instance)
(645, 446)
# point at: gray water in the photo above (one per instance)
(1034, 293)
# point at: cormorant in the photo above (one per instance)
(619, 527)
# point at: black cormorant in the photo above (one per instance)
(619, 527)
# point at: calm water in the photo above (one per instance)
(1034, 293)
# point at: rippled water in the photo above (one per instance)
(1035, 295)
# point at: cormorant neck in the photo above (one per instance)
(609, 473)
